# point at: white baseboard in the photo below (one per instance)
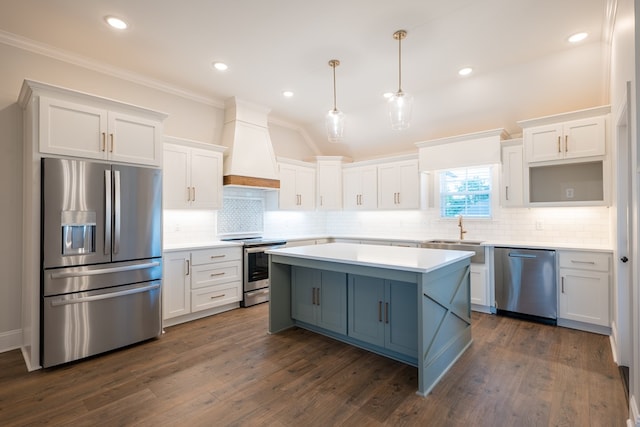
(634, 416)
(10, 340)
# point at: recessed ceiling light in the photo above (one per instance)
(220, 66)
(465, 71)
(116, 22)
(287, 94)
(578, 37)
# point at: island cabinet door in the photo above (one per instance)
(401, 317)
(304, 283)
(331, 300)
(366, 309)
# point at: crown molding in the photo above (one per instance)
(43, 49)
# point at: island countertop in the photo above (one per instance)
(419, 260)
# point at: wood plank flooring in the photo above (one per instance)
(227, 371)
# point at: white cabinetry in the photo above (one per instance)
(568, 140)
(202, 282)
(566, 159)
(94, 131)
(192, 175)
(479, 287)
(360, 187)
(584, 290)
(176, 300)
(511, 194)
(329, 178)
(399, 185)
(297, 186)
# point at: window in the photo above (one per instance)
(466, 192)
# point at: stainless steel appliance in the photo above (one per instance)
(101, 258)
(256, 268)
(525, 283)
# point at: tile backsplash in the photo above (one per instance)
(244, 212)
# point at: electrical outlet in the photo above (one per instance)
(569, 192)
(539, 225)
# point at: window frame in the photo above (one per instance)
(493, 192)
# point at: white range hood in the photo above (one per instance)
(249, 159)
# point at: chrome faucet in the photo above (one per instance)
(462, 230)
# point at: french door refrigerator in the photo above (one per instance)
(101, 257)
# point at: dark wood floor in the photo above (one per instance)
(226, 370)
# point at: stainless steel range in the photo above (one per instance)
(256, 268)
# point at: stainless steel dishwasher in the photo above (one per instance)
(526, 283)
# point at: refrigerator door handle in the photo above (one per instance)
(116, 212)
(68, 274)
(59, 302)
(107, 212)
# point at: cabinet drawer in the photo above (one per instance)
(215, 274)
(213, 296)
(585, 260)
(207, 256)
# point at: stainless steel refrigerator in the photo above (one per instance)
(101, 258)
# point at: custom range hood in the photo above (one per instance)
(249, 160)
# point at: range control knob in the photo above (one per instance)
(624, 259)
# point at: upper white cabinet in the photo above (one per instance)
(192, 175)
(511, 191)
(566, 159)
(568, 140)
(329, 179)
(297, 185)
(399, 185)
(80, 125)
(360, 185)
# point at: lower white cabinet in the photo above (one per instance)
(198, 280)
(479, 285)
(584, 287)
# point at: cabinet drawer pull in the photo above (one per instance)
(104, 141)
(583, 262)
(217, 256)
(379, 311)
(194, 194)
(562, 284)
(111, 148)
(188, 194)
(566, 143)
(217, 296)
(559, 149)
(506, 193)
(217, 274)
(313, 296)
(188, 268)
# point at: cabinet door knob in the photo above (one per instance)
(624, 259)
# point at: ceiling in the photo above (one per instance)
(524, 67)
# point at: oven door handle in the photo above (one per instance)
(259, 292)
(258, 249)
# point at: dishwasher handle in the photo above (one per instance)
(517, 255)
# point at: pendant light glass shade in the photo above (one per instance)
(335, 118)
(400, 109)
(401, 103)
(335, 125)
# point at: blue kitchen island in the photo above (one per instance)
(409, 304)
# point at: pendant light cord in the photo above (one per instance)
(400, 64)
(334, 87)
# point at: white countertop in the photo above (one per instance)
(199, 245)
(392, 257)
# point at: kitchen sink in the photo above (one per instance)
(460, 245)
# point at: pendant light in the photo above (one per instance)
(401, 103)
(335, 117)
